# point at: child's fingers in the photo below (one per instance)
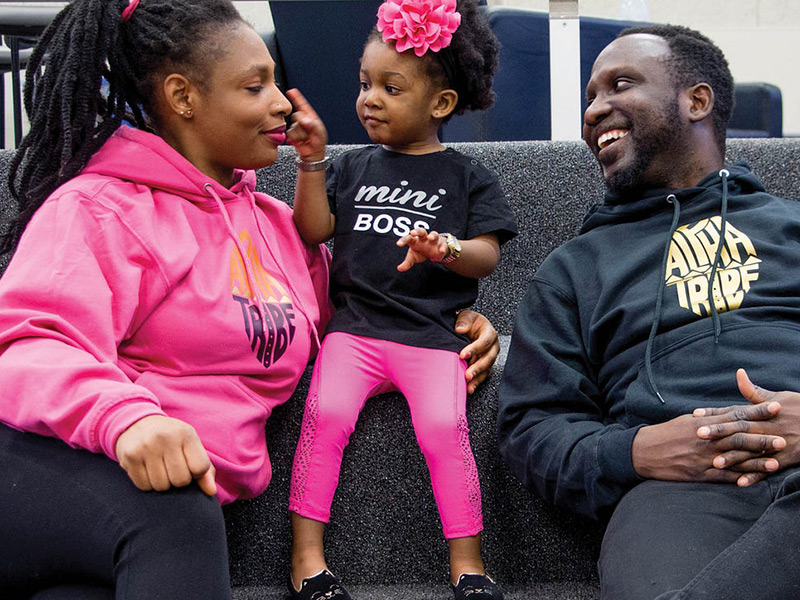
(296, 134)
(307, 131)
(411, 238)
(300, 103)
(407, 263)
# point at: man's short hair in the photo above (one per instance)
(696, 59)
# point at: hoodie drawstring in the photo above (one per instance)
(297, 298)
(648, 353)
(248, 267)
(723, 217)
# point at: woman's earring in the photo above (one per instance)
(186, 113)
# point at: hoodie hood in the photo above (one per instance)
(146, 159)
(620, 209)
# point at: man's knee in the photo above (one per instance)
(663, 533)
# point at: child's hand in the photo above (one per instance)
(422, 246)
(307, 133)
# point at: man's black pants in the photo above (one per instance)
(73, 526)
(692, 541)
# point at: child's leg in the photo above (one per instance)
(434, 385)
(308, 552)
(344, 377)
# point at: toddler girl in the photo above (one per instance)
(396, 299)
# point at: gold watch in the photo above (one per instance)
(453, 248)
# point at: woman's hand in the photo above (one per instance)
(160, 452)
(307, 133)
(481, 353)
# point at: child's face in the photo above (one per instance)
(397, 102)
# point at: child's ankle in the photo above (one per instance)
(457, 570)
(304, 567)
(465, 557)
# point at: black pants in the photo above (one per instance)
(692, 541)
(73, 526)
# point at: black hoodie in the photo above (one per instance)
(578, 383)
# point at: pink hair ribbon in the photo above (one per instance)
(128, 12)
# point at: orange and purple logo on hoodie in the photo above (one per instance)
(268, 311)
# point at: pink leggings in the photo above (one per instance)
(350, 369)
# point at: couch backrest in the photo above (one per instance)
(550, 186)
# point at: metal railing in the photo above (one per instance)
(20, 26)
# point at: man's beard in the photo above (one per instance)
(649, 142)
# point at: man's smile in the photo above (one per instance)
(610, 137)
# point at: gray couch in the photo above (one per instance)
(385, 540)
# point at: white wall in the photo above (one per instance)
(256, 13)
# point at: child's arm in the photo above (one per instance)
(312, 214)
(478, 256)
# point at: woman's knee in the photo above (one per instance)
(184, 518)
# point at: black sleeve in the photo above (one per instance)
(332, 181)
(552, 430)
(489, 211)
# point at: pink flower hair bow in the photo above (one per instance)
(418, 24)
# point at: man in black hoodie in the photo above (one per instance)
(627, 393)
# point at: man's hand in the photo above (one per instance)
(481, 353)
(160, 452)
(422, 246)
(677, 451)
(770, 414)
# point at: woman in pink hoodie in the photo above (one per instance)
(157, 309)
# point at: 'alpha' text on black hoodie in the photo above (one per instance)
(618, 330)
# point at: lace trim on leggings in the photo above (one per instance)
(470, 470)
(305, 446)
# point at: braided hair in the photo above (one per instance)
(72, 112)
(471, 60)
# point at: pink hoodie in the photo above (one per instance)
(135, 291)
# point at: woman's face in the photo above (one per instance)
(238, 115)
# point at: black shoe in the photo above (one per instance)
(322, 586)
(472, 586)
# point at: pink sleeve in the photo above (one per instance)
(79, 282)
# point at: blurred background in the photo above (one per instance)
(761, 39)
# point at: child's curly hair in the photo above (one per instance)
(471, 58)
